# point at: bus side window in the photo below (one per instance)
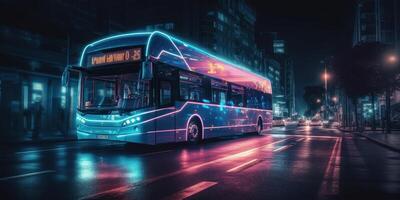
(222, 97)
(165, 93)
(237, 95)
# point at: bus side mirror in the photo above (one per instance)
(147, 70)
(65, 77)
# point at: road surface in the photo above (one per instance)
(287, 163)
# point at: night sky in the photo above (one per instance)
(313, 30)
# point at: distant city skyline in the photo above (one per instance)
(312, 30)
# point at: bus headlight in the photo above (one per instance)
(131, 121)
(80, 119)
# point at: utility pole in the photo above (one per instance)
(326, 93)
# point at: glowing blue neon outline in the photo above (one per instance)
(130, 134)
(172, 42)
(170, 113)
(171, 38)
(124, 119)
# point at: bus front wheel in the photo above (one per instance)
(194, 132)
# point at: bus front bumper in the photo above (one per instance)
(115, 135)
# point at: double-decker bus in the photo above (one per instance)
(153, 88)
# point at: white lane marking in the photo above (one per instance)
(242, 166)
(155, 153)
(331, 180)
(282, 148)
(299, 140)
(306, 136)
(26, 175)
(195, 167)
(118, 190)
(42, 150)
(192, 190)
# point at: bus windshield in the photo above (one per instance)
(123, 92)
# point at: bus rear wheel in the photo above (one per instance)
(194, 132)
(259, 127)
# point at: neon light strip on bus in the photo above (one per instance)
(170, 113)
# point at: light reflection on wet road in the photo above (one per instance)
(289, 163)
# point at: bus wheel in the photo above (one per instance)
(259, 127)
(194, 132)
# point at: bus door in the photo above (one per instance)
(165, 92)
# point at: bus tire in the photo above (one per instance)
(194, 131)
(259, 126)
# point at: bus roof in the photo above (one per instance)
(171, 50)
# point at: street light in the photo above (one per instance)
(334, 99)
(318, 100)
(326, 77)
(392, 59)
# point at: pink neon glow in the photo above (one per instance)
(205, 64)
(232, 126)
(196, 103)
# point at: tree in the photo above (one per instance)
(363, 71)
(313, 96)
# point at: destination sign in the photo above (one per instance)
(114, 57)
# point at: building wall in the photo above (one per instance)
(276, 49)
(37, 42)
(377, 21)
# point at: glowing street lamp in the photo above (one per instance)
(326, 77)
(334, 99)
(318, 100)
(392, 59)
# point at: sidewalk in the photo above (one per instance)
(390, 141)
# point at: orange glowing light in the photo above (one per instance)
(392, 59)
(214, 67)
(326, 76)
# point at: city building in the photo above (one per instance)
(281, 65)
(35, 46)
(377, 21)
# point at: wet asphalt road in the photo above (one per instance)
(289, 163)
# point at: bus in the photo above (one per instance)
(154, 88)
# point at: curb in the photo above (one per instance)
(379, 142)
(347, 131)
